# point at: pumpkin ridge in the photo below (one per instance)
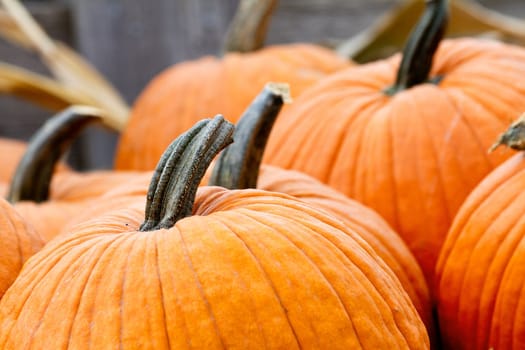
(496, 258)
(482, 96)
(396, 222)
(348, 260)
(35, 328)
(466, 271)
(438, 159)
(351, 120)
(521, 301)
(311, 262)
(34, 281)
(169, 277)
(259, 263)
(161, 292)
(105, 249)
(200, 288)
(478, 209)
(458, 227)
(345, 260)
(509, 269)
(85, 279)
(452, 96)
(292, 160)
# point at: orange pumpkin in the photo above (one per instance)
(181, 95)
(238, 167)
(411, 148)
(243, 269)
(19, 242)
(481, 268)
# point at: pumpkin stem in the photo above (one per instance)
(32, 177)
(247, 30)
(172, 190)
(421, 46)
(514, 137)
(238, 166)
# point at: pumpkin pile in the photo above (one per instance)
(367, 213)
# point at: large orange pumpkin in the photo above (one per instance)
(215, 269)
(181, 95)
(238, 167)
(410, 147)
(481, 268)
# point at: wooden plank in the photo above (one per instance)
(131, 41)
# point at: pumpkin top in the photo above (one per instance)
(421, 46)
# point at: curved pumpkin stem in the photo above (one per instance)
(173, 187)
(513, 137)
(32, 177)
(421, 47)
(247, 30)
(238, 166)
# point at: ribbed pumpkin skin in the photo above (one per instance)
(251, 270)
(481, 270)
(19, 242)
(368, 224)
(413, 156)
(190, 91)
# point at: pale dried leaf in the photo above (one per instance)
(38, 89)
(70, 68)
(467, 18)
(10, 31)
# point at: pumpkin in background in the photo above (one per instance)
(217, 269)
(19, 242)
(238, 167)
(12, 151)
(410, 147)
(180, 96)
(481, 268)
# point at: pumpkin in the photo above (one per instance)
(480, 272)
(182, 94)
(410, 147)
(19, 242)
(238, 167)
(217, 269)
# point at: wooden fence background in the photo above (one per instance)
(130, 41)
